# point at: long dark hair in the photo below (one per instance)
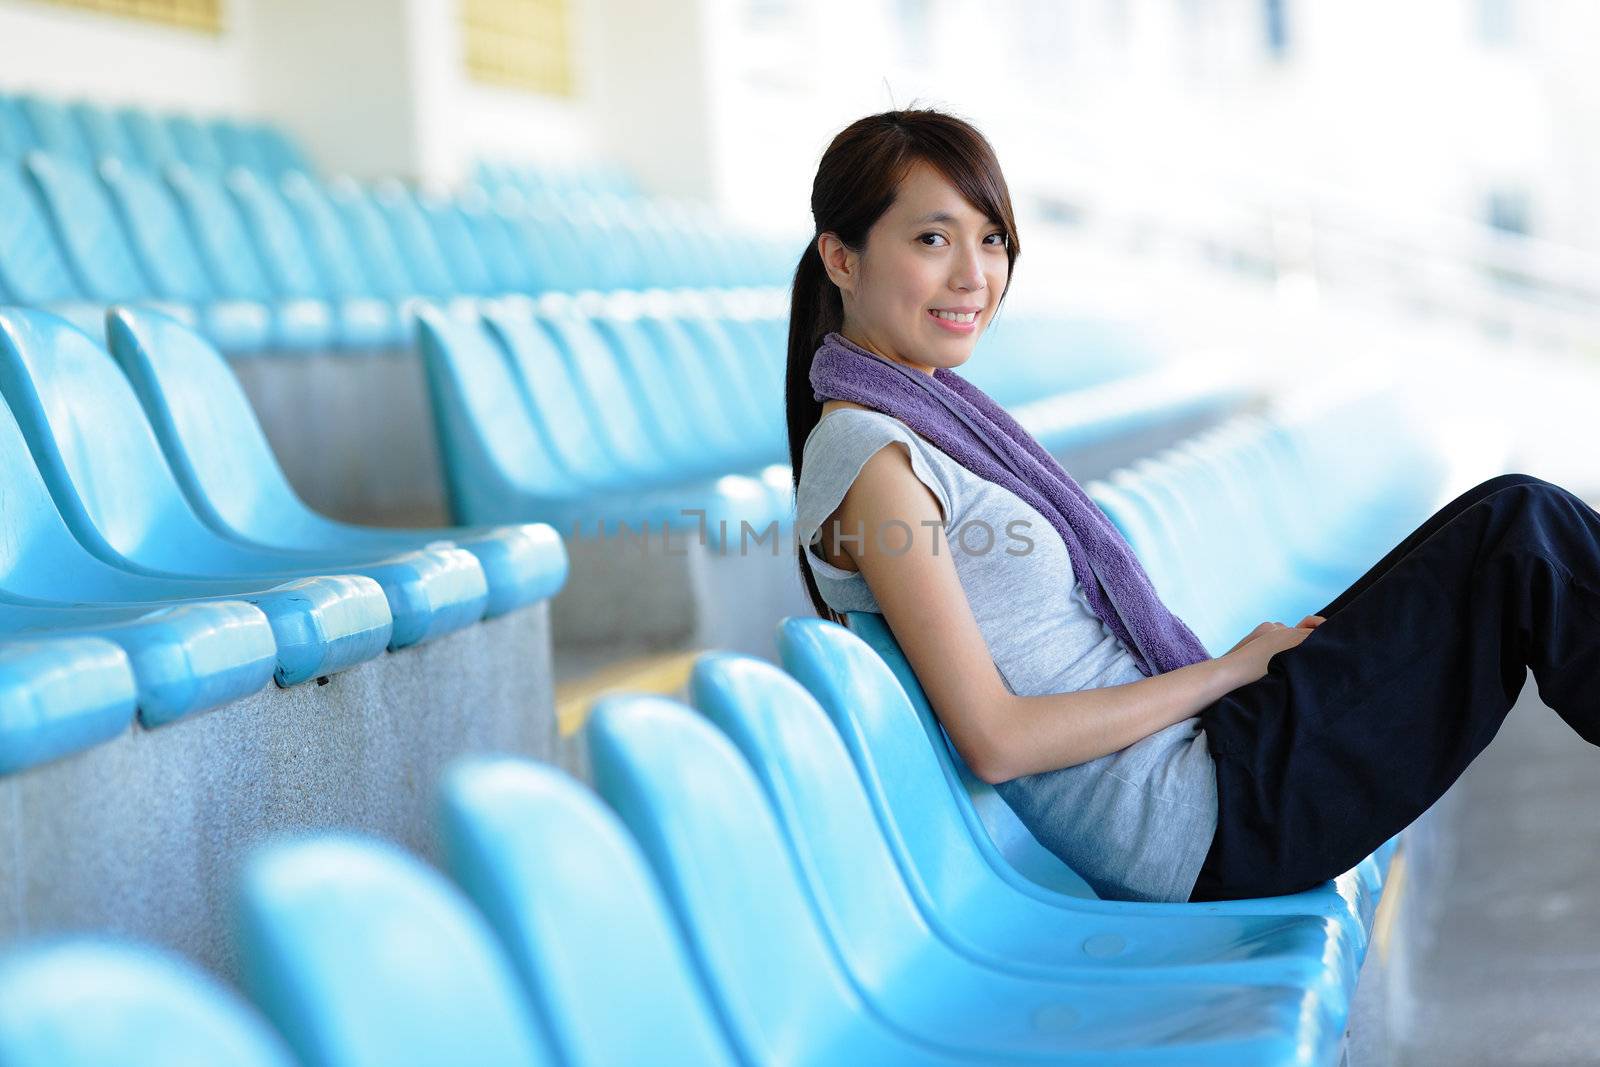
(856, 182)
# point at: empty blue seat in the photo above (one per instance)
(511, 264)
(152, 141)
(424, 260)
(457, 244)
(363, 956)
(282, 153)
(196, 143)
(923, 802)
(33, 271)
(105, 133)
(234, 267)
(362, 321)
(381, 258)
(54, 128)
(61, 695)
(242, 147)
(699, 815)
(91, 234)
(574, 903)
(500, 468)
(16, 137)
(332, 247)
(162, 244)
(82, 1002)
(110, 482)
(226, 468)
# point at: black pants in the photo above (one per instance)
(1356, 731)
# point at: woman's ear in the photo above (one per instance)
(838, 261)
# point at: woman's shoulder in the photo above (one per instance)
(840, 445)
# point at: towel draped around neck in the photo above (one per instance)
(963, 422)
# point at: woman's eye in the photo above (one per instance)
(927, 235)
(1000, 243)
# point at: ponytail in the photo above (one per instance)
(815, 308)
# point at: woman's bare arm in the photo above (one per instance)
(1000, 735)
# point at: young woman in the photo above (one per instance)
(1156, 771)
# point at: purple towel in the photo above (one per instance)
(959, 419)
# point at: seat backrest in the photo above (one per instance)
(707, 400)
(369, 231)
(278, 239)
(659, 393)
(457, 244)
(812, 785)
(363, 956)
(54, 129)
(544, 380)
(605, 394)
(32, 269)
(196, 143)
(60, 695)
(758, 416)
(242, 148)
(911, 791)
(573, 900)
(414, 238)
(509, 266)
(153, 144)
(16, 135)
(91, 441)
(991, 823)
(207, 428)
(490, 449)
(327, 236)
(82, 1002)
(280, 150)
(156, 232)
(105, 134)
(219, 233)
(91, 234)
(698, 813)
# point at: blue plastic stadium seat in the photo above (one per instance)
(280, 151)
(469, 268)
(91, 235)
(108, 478)
(16, 136)
(234, 267)
(573, 901)
(161, 243)
(927, 809)
(363, 321)
(82, 1002)
(698, 812)
(33, 271)
(851, 868)
(106, 134)
(387, 264)
(512, 266)
(59, 696)
(338, 259)
(196, 143)
(499, 467)
(54, 128)
(363, 956)
(425, 261)
(222, 460)
(241, 147)
(153, 144)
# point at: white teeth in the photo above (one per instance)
(957, 316)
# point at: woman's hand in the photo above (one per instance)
(1310, 622)
(1249, 658)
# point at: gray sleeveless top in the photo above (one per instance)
(1135, 824)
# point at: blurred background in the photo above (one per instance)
(1288, 196)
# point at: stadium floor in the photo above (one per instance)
(1508, 976)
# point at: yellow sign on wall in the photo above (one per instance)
(521, 44)
(205, 15)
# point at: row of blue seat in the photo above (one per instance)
(144, 508)
(804, 872)
(553, 178)
(85, 132)
(295, 264)
(739, 902)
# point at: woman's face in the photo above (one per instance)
(926, 284)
